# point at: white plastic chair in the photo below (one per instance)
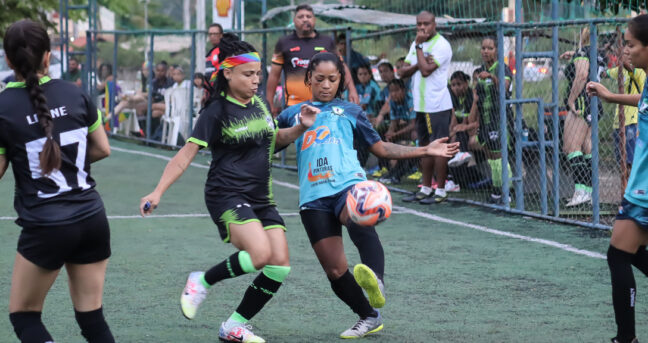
(175, 117)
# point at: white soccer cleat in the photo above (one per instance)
(450, 186)
(364, 327)
(580, 197)
(238, 332)
(460, 159)
(193, 295)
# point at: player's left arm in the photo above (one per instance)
(392, 151)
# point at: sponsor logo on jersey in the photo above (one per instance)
(295, 49)
(644, 106)
(241, 129)
(339, 111)
(320, 135)
(322, 172)
(298, 62)
(319, 48)
(270, 122)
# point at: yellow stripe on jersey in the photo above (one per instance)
(97, 123)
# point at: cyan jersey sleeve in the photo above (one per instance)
(207, 129)
(287, 117)
(364, 130)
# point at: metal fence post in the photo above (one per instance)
(502, 113)
(115, 70)
(191, 88)
(594, 112)
(150, 88)
(555, 119)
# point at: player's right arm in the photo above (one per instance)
(4, 163)
(597, 89)
(173, 170)
(271, 88)
(98, 145)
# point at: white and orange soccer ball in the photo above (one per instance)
(369, 203)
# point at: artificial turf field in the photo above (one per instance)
(454, 273)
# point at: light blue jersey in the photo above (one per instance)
(326, 159)
(637, 190)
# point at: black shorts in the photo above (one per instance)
(320, 216)
(237, 210)
(83, 242)
(490, 139)
(431, 126)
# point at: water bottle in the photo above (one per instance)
(525, 134)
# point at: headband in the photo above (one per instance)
(233, 61)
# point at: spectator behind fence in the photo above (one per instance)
(460, 128)
(292, 54)
(402, 129)
(485, 112)
(368, 90)
(73, 74)
(428, 63)
(400, 62)
(357, 60)
(633, 84)
(386, 71)
(577, 141)
(215, 33)
(138, 100)
(105, 75)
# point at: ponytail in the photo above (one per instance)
(25, 43)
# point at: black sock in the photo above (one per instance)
(229, 268)
(29, 328)
(369, 247)
(93, 326)
(462, 138)
(257, 295)
(578, 168)
(348, 291)
(623, 292)
(587, 170)
(640, 260)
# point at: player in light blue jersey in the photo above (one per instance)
(328, 168)
(630, 232)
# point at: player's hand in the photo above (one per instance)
(484, 75)
(596, 89)
(567, 55)
(148, 204)
(421, 36)
(441, 148)
(389, 136)
(308, 115)
(353, 97)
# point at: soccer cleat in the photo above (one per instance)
(379, 173)
(389, 180)
(364, 327)
(193, 295)
(436, 198)
(418, 196)
(580, 197)
(616, 340)
(460, 159)
(416, 176)
(450, 186)
(367, 279)
(238, 332)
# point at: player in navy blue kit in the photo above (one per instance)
(50, 132)
(242, 135)
(328, 168)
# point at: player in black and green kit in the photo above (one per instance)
(50, 132)
(485, 110)
(241, 133)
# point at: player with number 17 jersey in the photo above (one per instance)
(67, 194)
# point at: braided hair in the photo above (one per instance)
(26, 43)
(230, 45)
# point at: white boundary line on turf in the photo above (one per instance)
(187, 215)
(561, 246)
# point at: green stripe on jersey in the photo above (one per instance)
(96, 124)
(21, 84)
(197, 142)
(3, 151)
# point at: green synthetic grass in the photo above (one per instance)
(445, 283)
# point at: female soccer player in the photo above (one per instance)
(328, 168)
(485, 113)
(50, 132)
(630, 232)
(241, 133)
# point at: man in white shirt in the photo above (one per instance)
(428, 63)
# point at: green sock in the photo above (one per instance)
(236, 317)
(496, 172)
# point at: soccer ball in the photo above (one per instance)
(369, 203)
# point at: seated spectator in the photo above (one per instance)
(179, 78)
(402, 129)
(105, 75)
(73, 74)
(137, 101)
(460, 128)
(407, 80)
(199, 84)
(357, 60)
(160, 84)
(368, 90)
(386, 71)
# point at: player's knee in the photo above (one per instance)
(279, 259)
(261, 256)
(335, 272)
(93, 326)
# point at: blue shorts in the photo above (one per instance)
(630, 143)
(637, 214)
(333, 203)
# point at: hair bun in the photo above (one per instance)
(230, 37)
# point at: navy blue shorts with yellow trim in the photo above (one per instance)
(636, 213)
(235, 209)
(432, 126)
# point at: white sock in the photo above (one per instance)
(440, 192)
(426, 190)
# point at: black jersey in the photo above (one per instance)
(582, 101)
(66, 195)
(241, 138)
(462, 105)
(294, 54)
(488, 98)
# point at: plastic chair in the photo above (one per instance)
(175, 118)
